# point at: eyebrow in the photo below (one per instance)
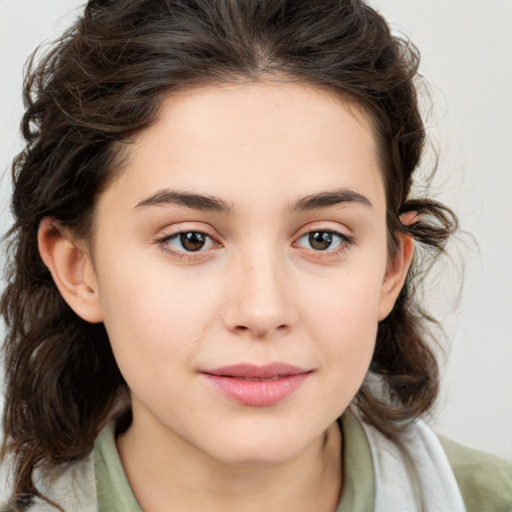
(195, 201)
(209, 203)
(330, 198)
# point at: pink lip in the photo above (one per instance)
(258, 386)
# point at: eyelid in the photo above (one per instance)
(346, 241)
(166, 234)
(330, 226)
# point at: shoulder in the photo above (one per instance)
(72, 487)
(485, 481)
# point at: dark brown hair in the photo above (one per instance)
(101, 84)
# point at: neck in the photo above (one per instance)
(192, 482)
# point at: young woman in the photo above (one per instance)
(210, 303)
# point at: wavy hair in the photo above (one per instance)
(103, 82)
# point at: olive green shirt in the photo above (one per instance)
(485, 481)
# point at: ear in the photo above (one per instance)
(396, 272)
(71, 267)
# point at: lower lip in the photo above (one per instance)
(258, 393)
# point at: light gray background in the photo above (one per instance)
(467, 57)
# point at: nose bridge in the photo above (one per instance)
(260, 298)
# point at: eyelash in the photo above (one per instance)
(344, 243)
(163, 243)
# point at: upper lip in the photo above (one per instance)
(252, 371)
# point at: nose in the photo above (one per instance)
(260, 297)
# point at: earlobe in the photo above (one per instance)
(396, 273)
(71, 268)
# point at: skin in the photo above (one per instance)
(257, 292)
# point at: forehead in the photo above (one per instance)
(248, 139)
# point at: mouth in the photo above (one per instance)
(257, 386)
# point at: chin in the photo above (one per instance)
(260, 458)
(272, 449)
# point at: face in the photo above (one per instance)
(241, 268)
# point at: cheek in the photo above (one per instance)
(152, 314)
(343, 320)
(347, 302)
(342, 329)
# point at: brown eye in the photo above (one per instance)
(188, 241)
(323, 240)
(320, 240)
(192, 240)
